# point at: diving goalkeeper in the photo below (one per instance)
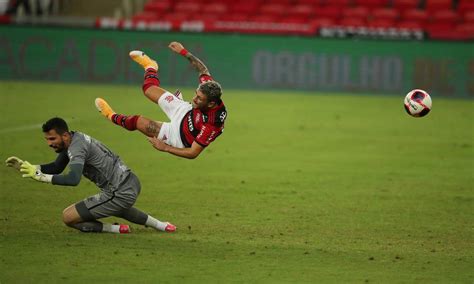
(86, 156)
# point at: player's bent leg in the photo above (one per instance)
(154, 93)
(139, 217)
(149, 127)
(77, 216)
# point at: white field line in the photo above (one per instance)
(21, 128)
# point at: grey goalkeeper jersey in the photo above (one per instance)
(101, 165)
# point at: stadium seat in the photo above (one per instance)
(333, 12)
(235, 17)
(146, 17)
(469, 17)
(218, 8)
(301, 10)
(263, 18)
(385, 14)
(403, 5)
(465, 6)
(187, 7)
(435, 5)
(245, 8)
(353, 22)
(415, 15)
(294, 19)
(445, 16)
(381, 23)
(158, 7)
(410, 25)
(273, 9)
(339, 3)
(323, 22)
(466, 29)
(372, 4)
(355, 12)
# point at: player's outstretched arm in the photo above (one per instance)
(189, 153)
(195, 62)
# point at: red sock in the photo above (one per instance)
(127, 122)
(151, 79)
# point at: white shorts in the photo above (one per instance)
(175, 108)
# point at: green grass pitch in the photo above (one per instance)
(300, 187)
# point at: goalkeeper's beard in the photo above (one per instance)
(60, 148)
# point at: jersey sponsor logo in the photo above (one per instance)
(190, 123)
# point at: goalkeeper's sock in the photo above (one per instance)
(127, 122)
(155, 223)
(116, 228)
(151, 79)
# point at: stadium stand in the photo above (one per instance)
(434, 19)
(438, 19)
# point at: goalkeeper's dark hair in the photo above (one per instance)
(212, 90)
(56, 123)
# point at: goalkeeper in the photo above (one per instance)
(86, 156)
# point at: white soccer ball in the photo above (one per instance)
(417, 103)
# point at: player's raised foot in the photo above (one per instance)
(170, 228)
(104, 108)
(124, 229)
(141, 58)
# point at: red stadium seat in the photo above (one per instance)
(435, 5)
(410, 25)
(246, 7)
(445, 16)
(469, 17)
(157, 6)
(145, 17)
(301, 10)
(403, 5)
(333, 12)
(308, 2)
(385, 14)
(465, 6)
(372, 4)
(353, 22)
(415, 15)
(340, 3)
(294, 20)
(273, 9)
(467, 29)
(187, 7)
(382, 23)
(263, 18)
(355, 12)
(216, 7)
(234, 17)
(323, 22)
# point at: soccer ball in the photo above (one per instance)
(417, 103)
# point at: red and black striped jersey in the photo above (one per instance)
(203, 127)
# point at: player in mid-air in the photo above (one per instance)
(192, 127)
(86, 156)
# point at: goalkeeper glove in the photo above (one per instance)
(14, 162)
(34, 172)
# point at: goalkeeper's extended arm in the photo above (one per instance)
(72, 178)
(34, 172)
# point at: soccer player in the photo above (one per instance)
(86, 156)
(192, 127)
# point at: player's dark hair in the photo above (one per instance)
(56, 123)
(212, 90)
